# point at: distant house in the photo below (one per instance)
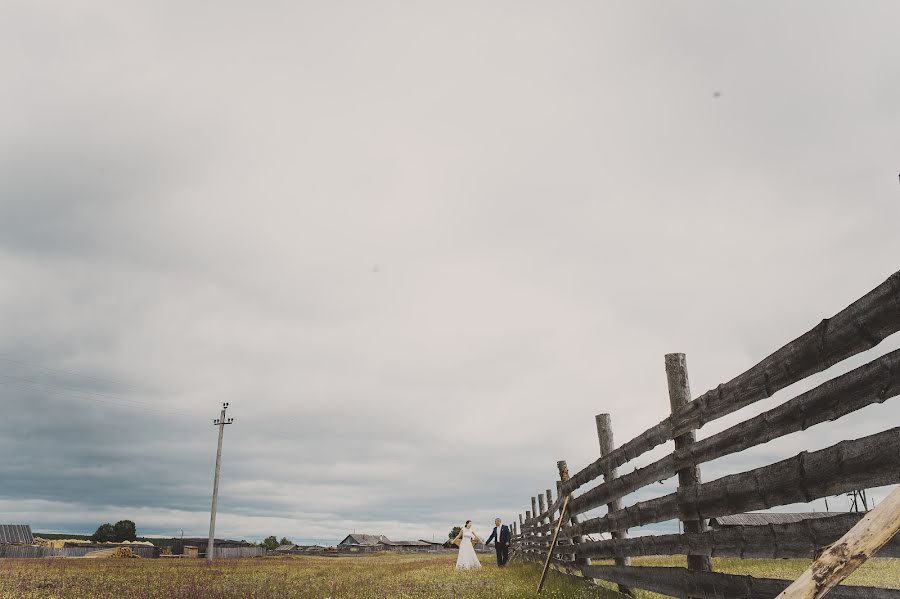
(16, 534)
(764, 519)
(432, 544)
(408, 545)
(363, 543)
(287, 548)
(179, 544)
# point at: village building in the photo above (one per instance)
(16, 534)
(196, 546)
(363, 543)
(408, 546)
(433, 545)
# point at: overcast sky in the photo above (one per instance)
(416, 245)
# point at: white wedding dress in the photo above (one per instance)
(467, 560)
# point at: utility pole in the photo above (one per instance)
(221, 421)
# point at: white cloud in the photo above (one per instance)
(417, 248)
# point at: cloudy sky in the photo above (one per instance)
(416, 245)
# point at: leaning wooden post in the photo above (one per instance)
(850, 551)
(679, 395)
(563, 476)
(577, 540)
(605, 435)
(563, 542)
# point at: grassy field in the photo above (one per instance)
(377, 577)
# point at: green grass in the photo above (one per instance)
(380, 576)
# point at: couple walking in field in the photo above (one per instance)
(467, 559)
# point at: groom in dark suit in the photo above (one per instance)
(501, 542)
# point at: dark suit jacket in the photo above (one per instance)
(502, 537)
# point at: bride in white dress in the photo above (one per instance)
(467, 560)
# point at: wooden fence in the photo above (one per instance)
(35, 551)
(238, 552)
(847, 466)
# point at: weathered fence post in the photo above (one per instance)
(563, 477)
(562, 542)
(679, 395)
(550, 520)
(543, 508)
(527, 538)
(520, 541)
(605, 435)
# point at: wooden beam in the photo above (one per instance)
(801, 540)
(850, 552)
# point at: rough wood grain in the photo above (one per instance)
(607, 445)
(871, 461)
(872, 383)
(679, 582)
(688, 476)
(860, 326)
(850, 552)
(802, 540)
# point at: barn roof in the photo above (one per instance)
(764, 519)
(408, 543)
(16, 534)
(363, 539)
(289, 547)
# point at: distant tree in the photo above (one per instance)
(124, 530)
(454, 531)
(105, 533)
(285, 541)
(270, 543)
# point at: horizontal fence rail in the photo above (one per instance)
(848, 466)
(775, 541)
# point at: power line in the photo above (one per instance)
(62, 371)
(97, 397)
